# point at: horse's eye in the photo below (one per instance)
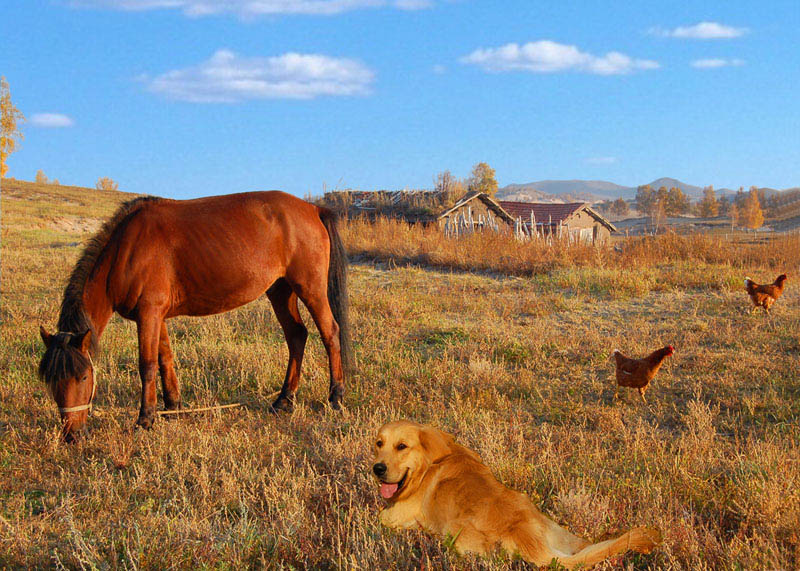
(401, 446)
(379, 443)
(85, 378)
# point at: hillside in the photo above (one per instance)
(512, 359)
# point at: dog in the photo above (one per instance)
(433, 483)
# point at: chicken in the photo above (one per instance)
(764, 295)
(638, 373)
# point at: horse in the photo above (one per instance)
(158, 258)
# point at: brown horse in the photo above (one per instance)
(158, 258)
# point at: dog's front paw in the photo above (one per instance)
(388, 518)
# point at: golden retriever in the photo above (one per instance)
(432, 482)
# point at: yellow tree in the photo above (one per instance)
(751, 215)
(482, 179)
(10, 120)
(709, 206)
(106, 183)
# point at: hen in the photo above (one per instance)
(638, 373)
(764, 295)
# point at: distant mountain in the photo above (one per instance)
(563, 191)
(692, 191)
(599, 190)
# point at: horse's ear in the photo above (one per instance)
(436, 443)
(83, 341)
(46, 337)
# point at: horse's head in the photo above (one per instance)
(67, 369)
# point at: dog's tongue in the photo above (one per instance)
(388, 490)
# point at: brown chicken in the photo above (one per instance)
(638, 373)
(764, 295)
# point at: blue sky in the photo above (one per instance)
(187, 98)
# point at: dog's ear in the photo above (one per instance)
(437, 444)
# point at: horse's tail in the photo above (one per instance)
(337, 285)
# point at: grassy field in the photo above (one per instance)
(513, 359)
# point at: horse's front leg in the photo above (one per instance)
(166, 366)
(149, 328)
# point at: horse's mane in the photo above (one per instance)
(61, 362)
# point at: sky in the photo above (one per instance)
(187, 98)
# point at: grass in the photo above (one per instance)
(512, 358)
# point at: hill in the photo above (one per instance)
(562, 191)
(506, 345)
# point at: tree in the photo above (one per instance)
(10, 120)
(619, 207)
(724, 205)
(106, 183)
(709, 205)
(482, 179)
(41, 178)
(677, 202)
(651, 203)
(55, 182)
(750, 214)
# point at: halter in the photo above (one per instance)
(91, 398)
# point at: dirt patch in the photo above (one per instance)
(76, 224)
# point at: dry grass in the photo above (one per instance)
(515, 365)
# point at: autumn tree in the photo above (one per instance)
(676, 202)
(482, 179)
(750, 214)
(724, 205)
(709, 205)
(41, 178)
(10, 120)
(106, 183)
(651, 203)
(619, 207)
(55, 182)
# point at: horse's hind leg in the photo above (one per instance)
(320, 309)
(166, 366)
(284, 302)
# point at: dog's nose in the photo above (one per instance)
(379, 469)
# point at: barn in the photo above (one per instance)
(577, 219)
(474, 211)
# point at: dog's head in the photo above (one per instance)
(402, 452)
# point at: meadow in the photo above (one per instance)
(506, 345)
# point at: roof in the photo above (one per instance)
(490, 203)
(554, 213)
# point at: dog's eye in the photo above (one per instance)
(379, 443)
(401, 446)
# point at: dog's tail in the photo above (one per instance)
(570, 551)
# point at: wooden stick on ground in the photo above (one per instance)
(194, 410)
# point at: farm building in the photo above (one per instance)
(578, 219)
(478, 211)
(475, 211)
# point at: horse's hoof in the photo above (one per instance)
(146, 421)
(282, 404)
(335, 398)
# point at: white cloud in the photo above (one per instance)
(439, 69)
(601, 160)
(713, 63)
(701, 31)
(253, 8)
(51, 120)
(227, 78)
(545, 56)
